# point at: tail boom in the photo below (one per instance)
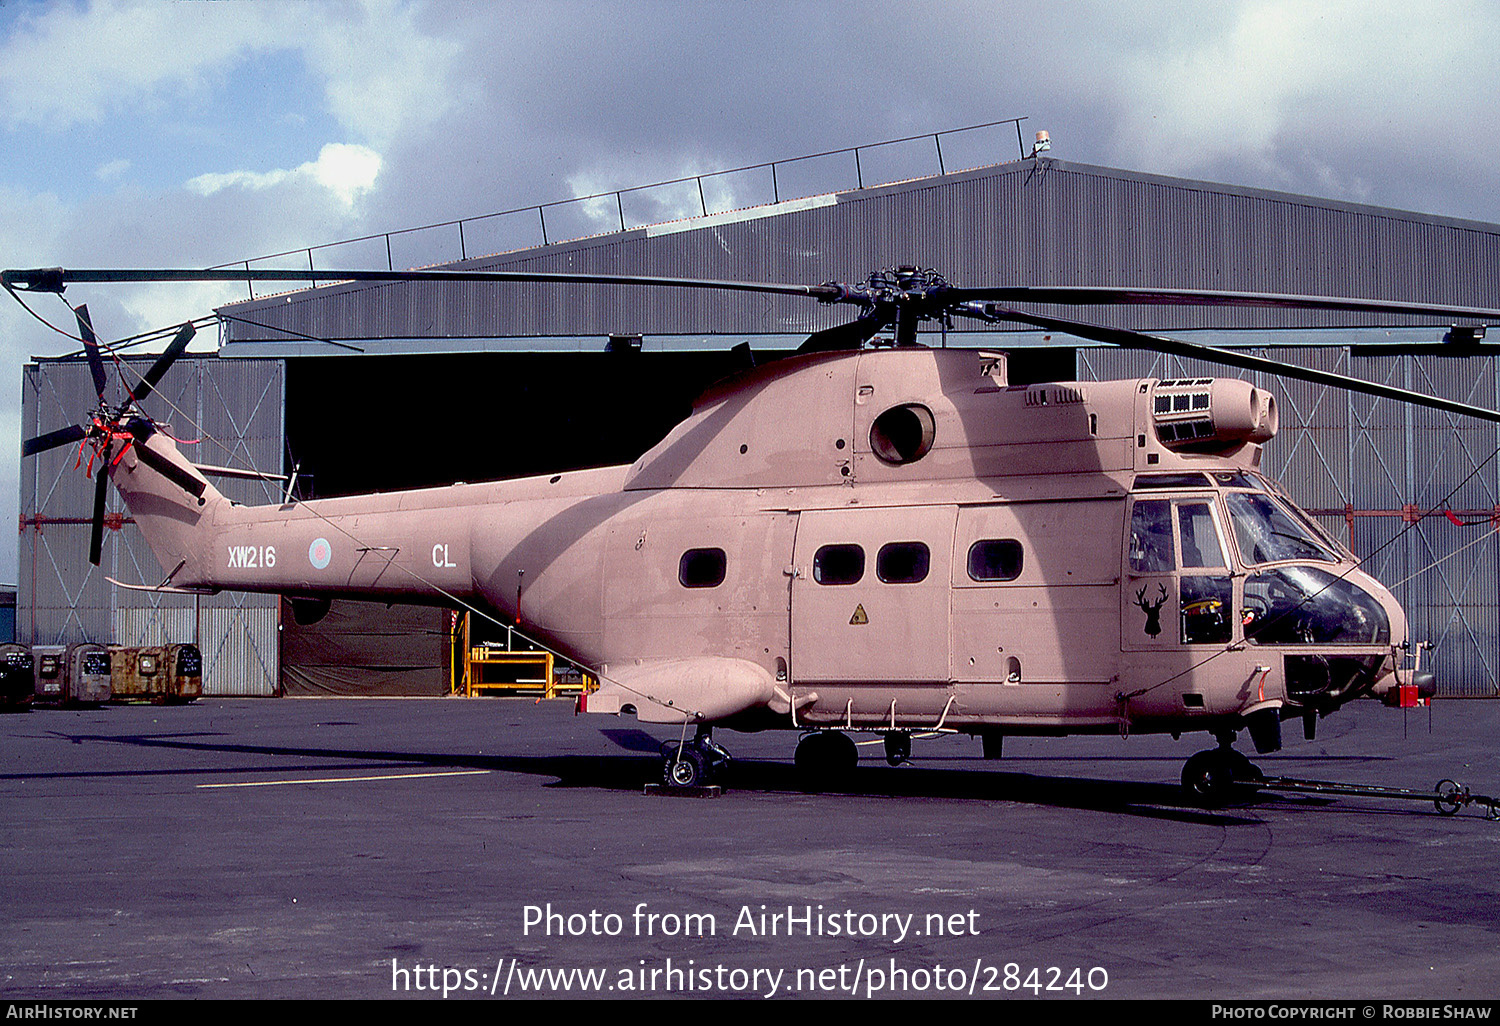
(367, 548)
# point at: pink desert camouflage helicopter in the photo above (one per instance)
(891, 539)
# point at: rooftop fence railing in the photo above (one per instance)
(698, 195)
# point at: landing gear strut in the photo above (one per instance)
(697, 763)
(1214, 776)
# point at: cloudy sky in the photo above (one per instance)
(163, 133)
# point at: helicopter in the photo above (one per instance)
(884, 538)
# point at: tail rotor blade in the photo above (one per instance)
(151, 377)
(52, 439)
(91, 349)
(96, 536)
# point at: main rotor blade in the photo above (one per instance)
(96, 535)
(173, 351)
(1243, 361)
(52, 439)
(55, 279)
(91, 349)
(1090, 295)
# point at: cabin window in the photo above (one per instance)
(96, 663)
(701, 568)
(1151, 537)
(902, 562)
(995, 559)
(903, 434)
(839, 564)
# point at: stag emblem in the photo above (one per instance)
(1152, 609)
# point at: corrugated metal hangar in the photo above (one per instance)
(367, 387)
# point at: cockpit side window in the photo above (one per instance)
(1151, 537)
(1206, 590)
(1200, 539)
(1181, 536)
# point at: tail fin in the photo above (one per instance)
(171, 502)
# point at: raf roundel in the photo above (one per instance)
(320, 553)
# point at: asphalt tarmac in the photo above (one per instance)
(503, 848)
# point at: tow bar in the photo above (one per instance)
(1447, 797)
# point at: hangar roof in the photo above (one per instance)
(1033, 221)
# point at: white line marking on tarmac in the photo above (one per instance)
(349, 780)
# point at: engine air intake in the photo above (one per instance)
(1212, 414)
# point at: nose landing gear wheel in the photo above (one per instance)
(685, 769)
(698, 763)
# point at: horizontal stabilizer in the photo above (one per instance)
(161, 589)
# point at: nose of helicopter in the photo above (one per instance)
(1391, 675)
(1355, 621)
(1395, 615)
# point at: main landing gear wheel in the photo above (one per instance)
(1218, 775)
(698, 763)
(826, 757)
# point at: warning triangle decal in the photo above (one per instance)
(859, 616)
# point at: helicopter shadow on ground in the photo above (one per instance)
(631, 772)
(1144, 799)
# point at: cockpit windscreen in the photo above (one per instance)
(1268, 533)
